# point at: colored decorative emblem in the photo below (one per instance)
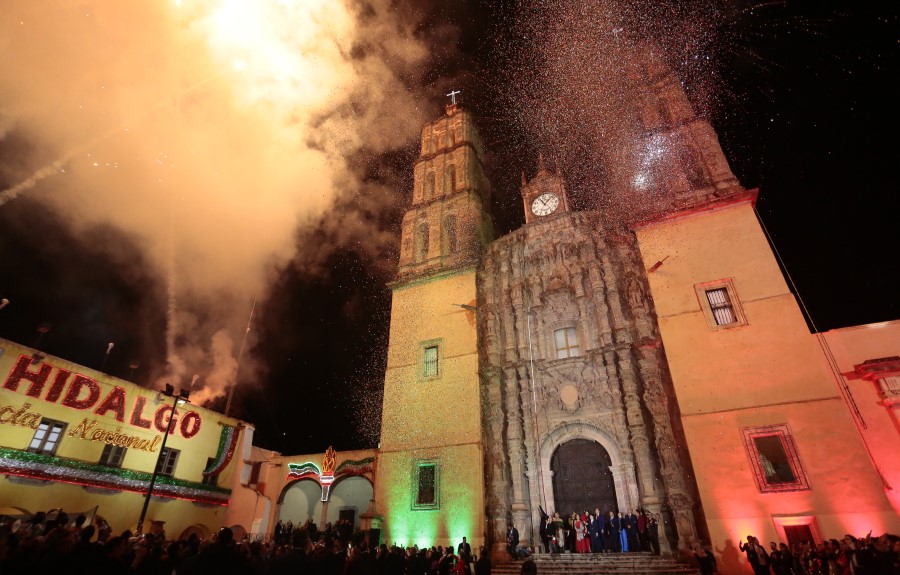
(327, 475)
(227, 443)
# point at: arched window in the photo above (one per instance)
(450, 241)
(421, 242)
(450, 179)
(429, 185)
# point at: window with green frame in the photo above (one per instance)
(426, 484)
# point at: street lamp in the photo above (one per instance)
(182, 397)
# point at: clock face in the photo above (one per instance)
(545, 204)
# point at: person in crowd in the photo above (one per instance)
(756, 555)
(653, 533)
(512, 540)
(545, 530)
(643, 541)
(447, 562)
(559, 529)
(705, 559)
(582, 540)
(595, 530)
(631, 533)
(613, 526)
(781, 558)
(482, 565)
(465, 550)
(529, 567)
(623, 533)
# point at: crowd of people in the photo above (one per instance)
(50, 546)
(597, 532)
(849, 556)
(45, 546)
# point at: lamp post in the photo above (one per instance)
(182, 396)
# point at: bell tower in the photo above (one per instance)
(447, 225)
(545, 195)
(681, 151)
(430, 478)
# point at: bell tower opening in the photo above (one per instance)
(582, 479)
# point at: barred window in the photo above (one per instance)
(721, 307)
(165, 465)
(112, 455)
(431, 361)
(46, 438)
(566, 343)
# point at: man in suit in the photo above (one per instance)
(465, 550)
(512, 540)
(614, 525)
(631, 526)
(756, 556)
(595, 528)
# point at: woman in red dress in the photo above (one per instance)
(582, 542)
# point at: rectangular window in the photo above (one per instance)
(165, 465)
(47, 437)
(431, 361)
(720, 304)
(566, 341)
(774, 459)
(426, 483)
(112, 455)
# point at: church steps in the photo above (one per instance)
(600, 564)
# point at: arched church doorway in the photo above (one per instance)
(581, 478)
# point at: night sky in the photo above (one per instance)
(806, 109)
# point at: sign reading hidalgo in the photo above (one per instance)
(83, 393)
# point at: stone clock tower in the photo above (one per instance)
(545, 195)
(430, 472)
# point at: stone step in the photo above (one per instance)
(600, 564)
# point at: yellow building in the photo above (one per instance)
(430, 471)
(73, 438)
(660, 364)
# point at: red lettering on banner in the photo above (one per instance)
(162, 422)
(190, 424)
(59, 382)
(20, 371)
(115, 401)
(138, 410)
(80, 382)
(82, 392)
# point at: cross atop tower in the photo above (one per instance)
(452, 96)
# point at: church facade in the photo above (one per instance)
(575, 364)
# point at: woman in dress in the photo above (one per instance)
(560, 532)
(582, 543)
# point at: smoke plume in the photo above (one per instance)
(214, 133)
